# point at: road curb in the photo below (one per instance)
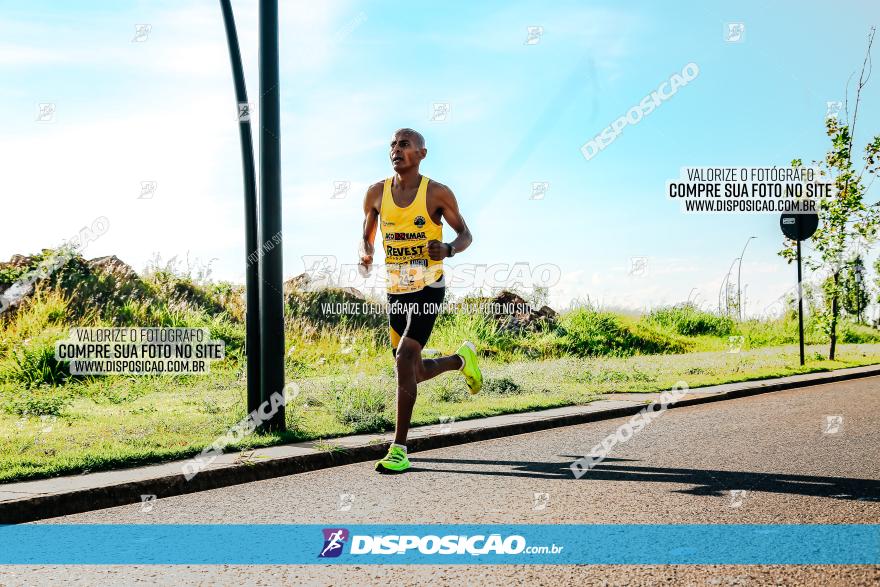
(77, 501)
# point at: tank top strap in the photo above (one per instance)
(387, 200)
(422, 194)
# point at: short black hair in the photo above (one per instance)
(415, 135)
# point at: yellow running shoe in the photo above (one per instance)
(472, 374)
(394, 462)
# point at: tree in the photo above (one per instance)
(540, 297)
(845, 221)
(731, 300)
(854, 292)
(877, 279)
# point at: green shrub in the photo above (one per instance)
(448, 389)
(857, 333)
(687, 320)
(482, 330)
(502, 386)
(34, 366)
(590, 332)
(311, 306)
(546, 343)
(362, 407)
(42, 401)
(9, 275)
(654, 339)
(92, 292)
(232, 333)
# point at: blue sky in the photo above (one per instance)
(163, 110)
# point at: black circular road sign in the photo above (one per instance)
(799, 227)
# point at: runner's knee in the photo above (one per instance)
(407, 354)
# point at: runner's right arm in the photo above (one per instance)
(372, 201)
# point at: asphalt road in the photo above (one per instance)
(772, 458)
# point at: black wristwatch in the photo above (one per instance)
(451, 250)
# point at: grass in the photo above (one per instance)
(53, 424)
(124, 422)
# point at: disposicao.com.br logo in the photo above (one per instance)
(335, 539)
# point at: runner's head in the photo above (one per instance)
(407, 149)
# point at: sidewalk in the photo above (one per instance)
(46, 498)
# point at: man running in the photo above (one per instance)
(411, 208)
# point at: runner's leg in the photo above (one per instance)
(408, 356)
(419, 317)
(430, 368)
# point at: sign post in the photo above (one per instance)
(799, 227)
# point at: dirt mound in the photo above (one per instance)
(303, 283)
(16, 262)
(515, 314)
(112, 265)
(102, 285)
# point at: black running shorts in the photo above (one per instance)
(413, 314)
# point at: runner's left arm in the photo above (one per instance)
(452, 215)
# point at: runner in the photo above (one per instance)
(411, 208)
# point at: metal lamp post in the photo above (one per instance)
(271, 286)
(265, 302)
(726, 296)
(251, 231)
(739, 278)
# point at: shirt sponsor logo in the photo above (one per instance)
(417, 251)
(404, 236)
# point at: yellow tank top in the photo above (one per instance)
(405, 235)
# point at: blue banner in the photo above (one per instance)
(747, 544)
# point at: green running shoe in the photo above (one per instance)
(394, 462)
(472, 374)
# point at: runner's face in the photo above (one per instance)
(405, 153)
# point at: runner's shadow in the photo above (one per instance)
(703, 481)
